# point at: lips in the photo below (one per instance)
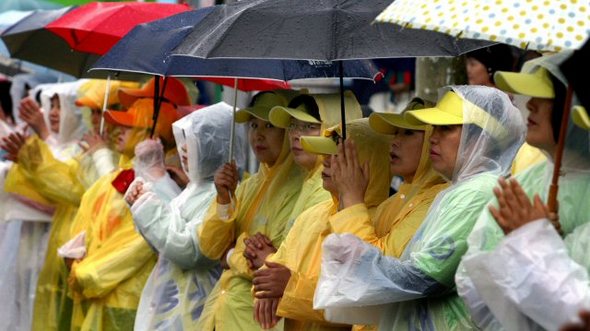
(433, 153)
(530, 122)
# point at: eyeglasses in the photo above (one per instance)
(303, 128)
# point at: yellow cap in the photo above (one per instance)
(580, 117)
(387, 122)
(263, 103)
(319, 145)
(281, 116)
(93, 93)
(448, 111)
(537, 84)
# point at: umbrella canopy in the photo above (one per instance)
(147, 47)
(312, 30)
(96, 27)
(29, 40)
(577, 70)
(537, 25)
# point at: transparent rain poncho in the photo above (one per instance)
(173, 296)
(490, 278)
(416, 291)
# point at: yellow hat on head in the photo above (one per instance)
(92, 93)
(387, 123)
(140, 115)
(449, 111)
(537, 84)
(263, 102)
(580, 117)
(328, 108)
(319, 145)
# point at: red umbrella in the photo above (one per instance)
(96, 27)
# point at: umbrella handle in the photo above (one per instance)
(232, 134)
(105, 103)
(342, 106)
(554, 188)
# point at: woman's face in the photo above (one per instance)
(95, 118)
(327, 181)
(124, 139)
(539, 129)
(295, 130)
(477, 73)
(265, 140)
(54, 114)
(405, 153)
(445, 142)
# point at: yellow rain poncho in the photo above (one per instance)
(302, 249)
(397, 218)
(263, 204)
(417, 290)
(108, 281)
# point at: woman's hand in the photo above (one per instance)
(226, 181)
(30, 112)
(350, 178)
(515, 208)
(12, 145)
(258, 247)
(265, 312)
(272, 281)
(135, 192)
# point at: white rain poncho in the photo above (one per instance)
(177, 288)
(532, 279)
(416, 291)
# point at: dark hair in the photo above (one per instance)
(558, 103)
(6, 99)
(495, 58)
(310, 104)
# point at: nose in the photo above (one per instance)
(434, 137)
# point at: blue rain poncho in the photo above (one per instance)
(416, 291)
(177, 288)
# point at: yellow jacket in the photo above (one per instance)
(263, 203)
(301, 251)
(109, 280)
(57, 182)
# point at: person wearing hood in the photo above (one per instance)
(306, 115)
(107, 281)
(397, 218)
(290, 274)
(476, 134)
(556, 269)
(45, 160)
(260, 204)
(179, 284)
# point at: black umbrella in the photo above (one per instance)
(29, 40)
(313, 30)
(577, 70)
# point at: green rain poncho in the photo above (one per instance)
(416, 291)
(532, 279)
(179, 284)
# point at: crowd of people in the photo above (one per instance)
(115, 221)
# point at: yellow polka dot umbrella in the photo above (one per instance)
(541, 25)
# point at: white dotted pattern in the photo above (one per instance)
(542, 25)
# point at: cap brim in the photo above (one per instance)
(386, 123)
(525, 84)
(86, 102)
(432, 116)
(127, 96)
(580, 117)
(281, 116)
(319, 145)
(120, 118)
(245, 114)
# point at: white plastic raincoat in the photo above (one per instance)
(490, 277)
(416, 291)
(177, 288)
